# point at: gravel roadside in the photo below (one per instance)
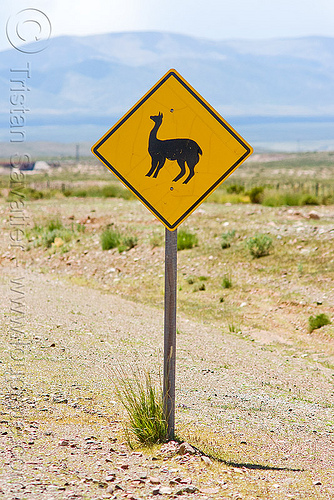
(266, 402)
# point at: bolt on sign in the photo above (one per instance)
(172, 149)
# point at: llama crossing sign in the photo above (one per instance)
(172, 149)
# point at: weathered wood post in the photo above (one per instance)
(170, 330)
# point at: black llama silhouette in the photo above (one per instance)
(184, 151)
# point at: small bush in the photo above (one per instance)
(259, 245)
(110, 238)
(308, 199)
(256, 194)
(186, 239)
(235, 188)
(143, 403)
(54, 224)
(53, 232)
(126, 243)
(315, 322)
(227, 238)
(115, 191)
(227, 281)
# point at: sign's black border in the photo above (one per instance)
(133, 110)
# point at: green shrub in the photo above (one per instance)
(54, 224)
(110, 238)
(115, 191)
(308, 199)
(227, 238)
(315, 322)
(49, 236)
(143, 402)
(256, 194)
(227, 281)
(259, 245)
(235, 188)
(292, 199)
(45, 235)
(30, 194)
(126, 243)
(186, 239)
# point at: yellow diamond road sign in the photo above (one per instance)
(172, 149)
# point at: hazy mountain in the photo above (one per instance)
(80, 85)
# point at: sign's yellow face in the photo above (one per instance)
(172, 149)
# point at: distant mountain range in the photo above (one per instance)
(272, 91)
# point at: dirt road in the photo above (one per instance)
(261, 402)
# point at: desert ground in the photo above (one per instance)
(254, 383)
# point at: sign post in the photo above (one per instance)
(170, 330)
(171, 150)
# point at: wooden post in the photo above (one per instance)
(170, 330)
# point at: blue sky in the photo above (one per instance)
(215, 19)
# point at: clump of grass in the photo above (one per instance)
(227, 238)
(315, 322)
(143, 402)
(127, 242)
(259, 245)
(227, 281)
(46, 235)
(233, 328)
(112, 238)
(186, 239)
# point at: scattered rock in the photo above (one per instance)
(210, 491)
(64, 442)
(317, 483)
(59, 399)
(313, 215)
(170, 448)
(110, 477)
(156, 491)
(185, 448)
(165, 490)
(58, 242)
(187, 489)
(155, 480)
(206, 460)
(124, 466)
(110, 490)
(175, 480)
